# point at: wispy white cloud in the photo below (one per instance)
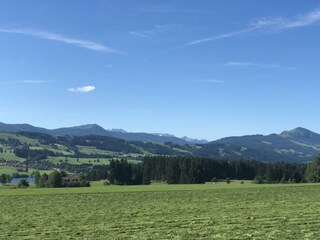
(218, 37)
(257, 65)
(155, 30)
(284, 23)
(60, 38)
(137, 33)
(270, 24)
(34, 81)
(291, 68)
(83, 89)
(250, 64)
(27, 81)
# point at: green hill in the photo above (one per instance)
(297, 145)
(41, 150)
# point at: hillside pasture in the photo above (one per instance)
(22, 139)
(75, 161)
(8, 154)
(11, 170)
(7, 170)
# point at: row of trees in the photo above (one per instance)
(313, 171)
(5, 178)
(56, 179)
(176, 170)
(184, 170)
(119, 172)
(190, 170)
(123, 173)
(32, 155)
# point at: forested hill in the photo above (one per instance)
(297, 145)
(94, 129)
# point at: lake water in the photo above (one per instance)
(17, 180)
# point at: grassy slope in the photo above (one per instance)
(71, 160)
(10, 170)
(7, 170)
(8, 152)
(21, 138)
(162, 212)
(36, 145)
(9, 155)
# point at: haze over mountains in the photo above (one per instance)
(297, 145)
(94, 129)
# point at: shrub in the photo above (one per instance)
(23, 183)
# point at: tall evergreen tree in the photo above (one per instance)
(313, 170)
(54, 179)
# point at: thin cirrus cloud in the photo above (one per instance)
(218, 37)
(83, 89)
(257, 65)
(27, 81)
(155, 30)
(91, 45)
(34, 81)
(279, 23)
(266, 24)
(250, 64)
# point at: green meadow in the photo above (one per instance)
(11, 170)
(161, 211)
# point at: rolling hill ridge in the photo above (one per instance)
(94, 129)
(297, 145)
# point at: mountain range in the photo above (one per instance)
(297, 145)
(94, 129)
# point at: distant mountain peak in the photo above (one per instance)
(93, 125)
(95, 129)
(120, 130)
(164, 134)
(299, 132)
(193, 140)
(84, 127)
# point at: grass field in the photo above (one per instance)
(10, 170)
(23, 139)
(95, 161)
(162, 211)
(8, 154)
(72, 160)
(7, 170)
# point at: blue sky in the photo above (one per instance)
(205, 69)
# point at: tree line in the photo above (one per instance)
(175, 170)
(58, 179)
(182, 170)
(194, 170)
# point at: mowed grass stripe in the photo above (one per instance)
(165, 212)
